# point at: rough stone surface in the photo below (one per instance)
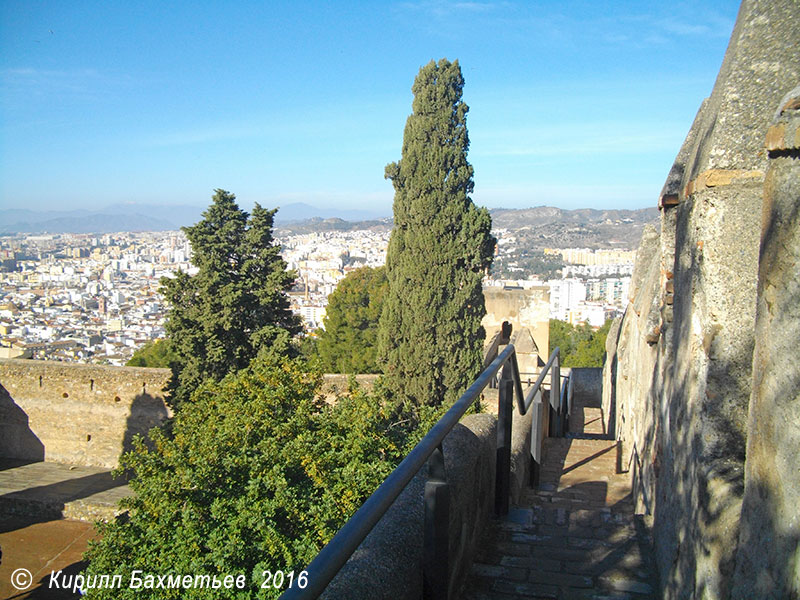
(520, 452)
(682, 405)
(768, 561)
(77, 414)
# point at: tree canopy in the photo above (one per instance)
(258, 476)
(349, 342)
(236, 306)
(153, 354)
(430, 336)
(581, 346)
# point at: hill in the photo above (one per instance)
(549, 227)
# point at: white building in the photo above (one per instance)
(565, 296)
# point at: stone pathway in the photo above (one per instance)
(47, 512)
(53, 490)
(576, 535)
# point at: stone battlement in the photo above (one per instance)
(77, 414)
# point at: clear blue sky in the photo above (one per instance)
(572, 104)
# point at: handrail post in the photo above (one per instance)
(555, 387)
(503, 464)
(435, 562)
(538, 432)
(567, 401)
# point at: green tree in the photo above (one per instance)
(580, 346)
(152, 354)
(259, 475)
(348, 343)
(236, 306)
(430, 336)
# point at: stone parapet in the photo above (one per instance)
(77, 414)
(388, 563)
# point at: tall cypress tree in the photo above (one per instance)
(236, 305)
(430, 335)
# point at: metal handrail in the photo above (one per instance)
(324, 567)
(554, 356)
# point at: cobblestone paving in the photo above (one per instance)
(575, 536)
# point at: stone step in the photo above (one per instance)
(575, 536)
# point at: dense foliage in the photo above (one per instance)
(430, 335)
(152, 354)
(257, 476)
(524, 263)
(581, 346)
(235, 307)
(349, 342)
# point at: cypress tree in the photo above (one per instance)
(430, 334)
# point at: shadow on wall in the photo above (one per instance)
(16, 438)
(766, 573)
(146, 413)
(700, 479)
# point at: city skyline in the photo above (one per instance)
(104, 104)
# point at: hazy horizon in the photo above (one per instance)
(573, 105)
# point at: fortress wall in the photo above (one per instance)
(88, 414)
(768, 559)
(528, 311)
(680, 369)
(76, 414)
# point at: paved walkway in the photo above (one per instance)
(576, 535)
(53, 490)
(46, 516)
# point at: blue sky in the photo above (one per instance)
(572, 104)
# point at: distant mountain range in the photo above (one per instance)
(148, 217)
(548, 227)
(541, 226)
(534, 228)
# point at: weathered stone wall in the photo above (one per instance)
(768, 559)
(76, 414)
(679, 373)
(528, 311)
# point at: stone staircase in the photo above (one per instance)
(575, 535)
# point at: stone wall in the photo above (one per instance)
(76, 414)
(679, 374)
(768, 558)
(388, 563)
(528, 311)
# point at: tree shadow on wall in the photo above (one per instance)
(17, 440)
(146, 413)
